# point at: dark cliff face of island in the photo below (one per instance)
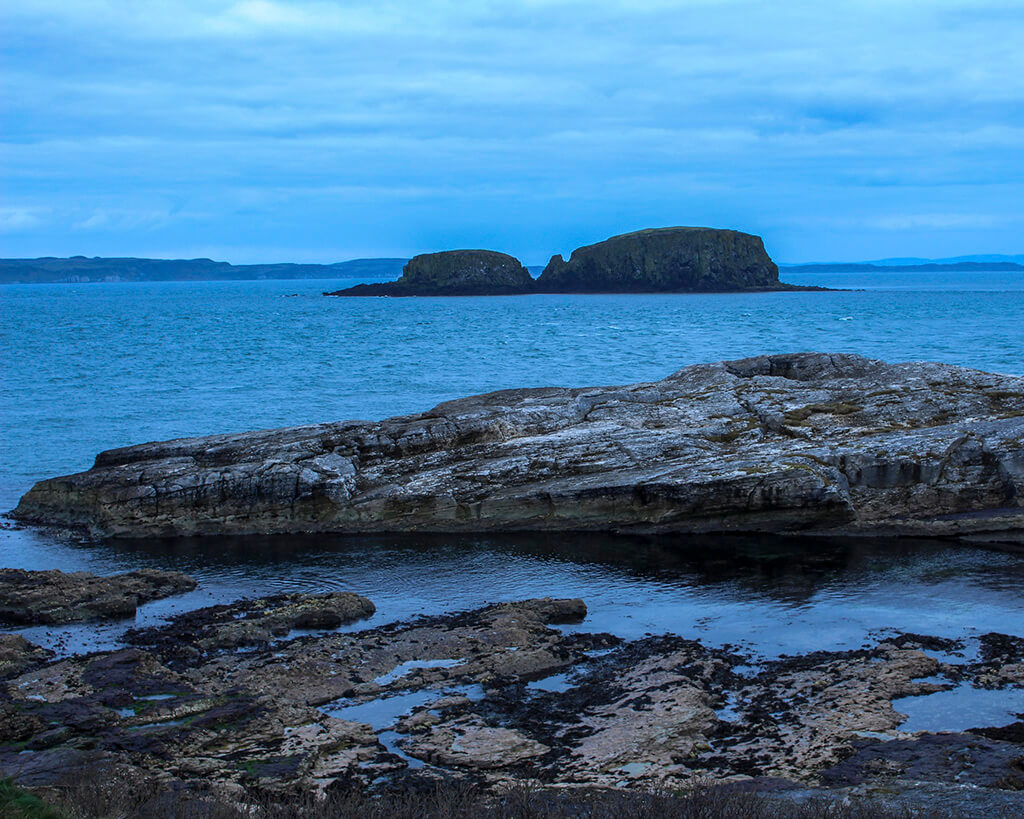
(453, 273)
(665, 260)
(660, 260)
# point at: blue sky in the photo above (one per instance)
(265, 130)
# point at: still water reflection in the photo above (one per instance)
(768, 595)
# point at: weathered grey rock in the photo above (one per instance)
(28, 597)
(258, 622)
(18, 655)
(808, 442)
(470, 743)
(453, 692)
(665, 260)
(453, 273)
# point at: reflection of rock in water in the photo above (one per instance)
(455, 694)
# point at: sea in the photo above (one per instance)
(87, 367)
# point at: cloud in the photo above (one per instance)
(941, 221)
(267, 115)
(126, 219)
(20, 219)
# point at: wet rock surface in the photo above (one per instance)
(18, 655)
(453, 273)
(500, 695)
(49, 597)
(804, 443)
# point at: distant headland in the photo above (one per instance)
(657, 260)
(661, 260)
(79, 269)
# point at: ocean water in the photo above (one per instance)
(88, 367)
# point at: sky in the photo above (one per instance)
(309, 130)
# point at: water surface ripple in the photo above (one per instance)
(88, 367)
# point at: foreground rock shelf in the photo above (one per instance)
(51, 597)
(811, 443)
(228, 697)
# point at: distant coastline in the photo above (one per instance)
(82, 269)
(936, 267)
(93, 270)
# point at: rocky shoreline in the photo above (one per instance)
(267, 695)
(808, 443)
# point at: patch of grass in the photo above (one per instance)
(18, 804)
(733, 432)
(726, 437)
(425, 798)
(797, 417)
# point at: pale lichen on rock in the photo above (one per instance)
(802, 443)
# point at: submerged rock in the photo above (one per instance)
(453, 273)
(258, 622)
(809, 443)
(666, 260)
(31, 598)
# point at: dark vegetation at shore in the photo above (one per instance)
(102, 793)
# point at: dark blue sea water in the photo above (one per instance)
(91, 366)
(88, 367)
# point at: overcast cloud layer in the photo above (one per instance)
(293, 131)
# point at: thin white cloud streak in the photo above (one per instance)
(20, 219)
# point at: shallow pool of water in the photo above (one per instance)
(765, 595)
(961, 708)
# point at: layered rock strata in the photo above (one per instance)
(811, 443)
(453, 273)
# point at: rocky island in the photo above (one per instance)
(662, 260)
(808, 443)
(665, 260)
(453, 273)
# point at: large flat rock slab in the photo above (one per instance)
(51, 597)
(810, 442)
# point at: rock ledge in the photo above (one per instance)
(808, 442)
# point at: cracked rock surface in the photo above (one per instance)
(498, 695)
(808, 442)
